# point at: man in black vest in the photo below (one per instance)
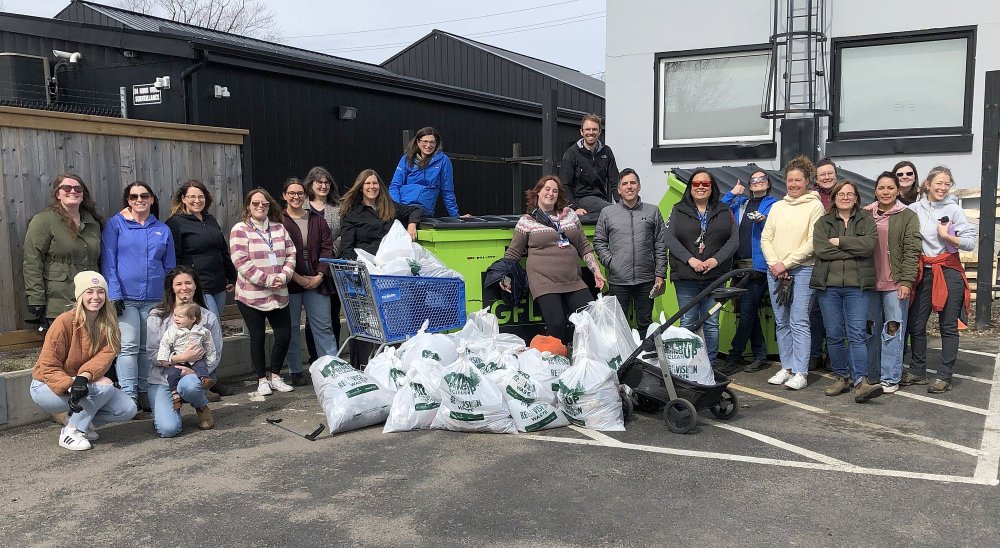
(588, 170)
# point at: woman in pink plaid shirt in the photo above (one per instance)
(264, 256)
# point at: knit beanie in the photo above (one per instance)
(87, 279)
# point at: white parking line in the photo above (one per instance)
(847, 468)
(964, 377)
(819, 457)
(878, 427)
(976, 352)
(988, 466)
(928, 399)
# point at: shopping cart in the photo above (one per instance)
(650, 386)
(390, 309)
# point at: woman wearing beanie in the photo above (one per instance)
(69, 373)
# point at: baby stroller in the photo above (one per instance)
(650, 386)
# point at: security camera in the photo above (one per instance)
(162, 82)
(73, 57)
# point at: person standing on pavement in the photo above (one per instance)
(750, 211)
(324, 197)
(843, 276)
(423, 173)
(630, 240)
(826, 178)
(941, 285)
(787, 245)
(588, 170)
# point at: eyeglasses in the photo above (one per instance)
(758, 180)
(295, 194)
(430, 142)
(71, 189)
(846, 195)
(702, 184)
(904, 174)
(134, 197)
(194, 198)
(260, 204)
(321, 183)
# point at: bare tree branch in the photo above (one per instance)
(245, 17)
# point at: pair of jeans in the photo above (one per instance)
(791, 321)
(885, 350)
(334, 325)
(686, 292)
(166, 419)
(133, 364)
(748, 328)
(104, 404)
(636, 298)
(817, 331)
(845, 317)
(280, 322)
(920, 311)
(216, 302)
(556, 309)
(318, 315)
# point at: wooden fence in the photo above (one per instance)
(108, 153)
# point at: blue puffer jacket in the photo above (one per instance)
(414, 186)
(736, 206)
(135, 258)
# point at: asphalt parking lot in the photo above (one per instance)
(793, 468)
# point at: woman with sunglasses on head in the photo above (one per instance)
(941, 285)
(702, 239)
(423, 173)
(324, 197)
(310, 285)
(843, 276)
(551, 235)
(200, 243)
(61, 241)
(750, 210)
(264, 256)
(137, 250)
(787, 245)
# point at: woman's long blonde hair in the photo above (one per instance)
(103, 330)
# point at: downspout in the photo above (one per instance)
(190, 100)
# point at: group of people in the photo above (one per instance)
(145, 296)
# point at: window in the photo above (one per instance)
(711, 97)
(903, 85)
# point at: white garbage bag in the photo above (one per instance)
(602, 332)
(471, 402)
(427, 345)
(495, 365)
(545, 367)
(349, 398)
(588, 394)
(687, 356)
(532, 404)
(386, 369)
(395, 243)
(417, 401)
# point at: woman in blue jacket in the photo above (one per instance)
(137, 250)
(423, 173)
(750, 210)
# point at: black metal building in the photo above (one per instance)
(297, 104)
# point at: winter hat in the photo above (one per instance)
(87, 279)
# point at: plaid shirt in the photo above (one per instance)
(252, 257)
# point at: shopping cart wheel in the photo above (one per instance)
(727, 407)
(680, 416)
(628, 406)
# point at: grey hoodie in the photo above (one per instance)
(930, 214)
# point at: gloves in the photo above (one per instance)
(119, 307)
(77, 392)
(783, 294)
(36, 310)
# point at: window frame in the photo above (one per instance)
(897, 38)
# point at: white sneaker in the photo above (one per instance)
(889, 388)
(278, 384)
(781, 377)
(73, 439)
(91, 434)
(797, 382)
(264, 388)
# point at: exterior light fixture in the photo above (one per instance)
(347, 113)
(162, 82)
(221, 92)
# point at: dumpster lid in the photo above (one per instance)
(486, 221)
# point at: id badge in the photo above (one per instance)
(274, 259)
(563, 242)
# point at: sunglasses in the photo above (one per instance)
(757, 180)
(904, 174)
(71, 189)
(702, 184)
(260, 204)
(134, 197)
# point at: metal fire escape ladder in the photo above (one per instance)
(796, 81)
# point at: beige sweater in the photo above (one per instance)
(788, 232)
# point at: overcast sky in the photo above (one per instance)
(567, 32)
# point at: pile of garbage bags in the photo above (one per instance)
(481, 380)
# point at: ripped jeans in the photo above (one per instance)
(885, 349)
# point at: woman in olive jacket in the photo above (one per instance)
(62, 241)
(844, 276)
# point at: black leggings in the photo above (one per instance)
(281, 323)
(556, 308)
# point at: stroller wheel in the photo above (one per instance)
(727, 407)
(680, 416)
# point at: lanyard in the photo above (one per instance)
(703, 219)
(267, 239)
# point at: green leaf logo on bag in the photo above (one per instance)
(425, 403)
(415, 266)
(682, 349)
(461, 384)
(521, 388)
(570, 396)
(336, 367)
(484, 366)
(615, 363)
(396, 375)
(430, 354)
